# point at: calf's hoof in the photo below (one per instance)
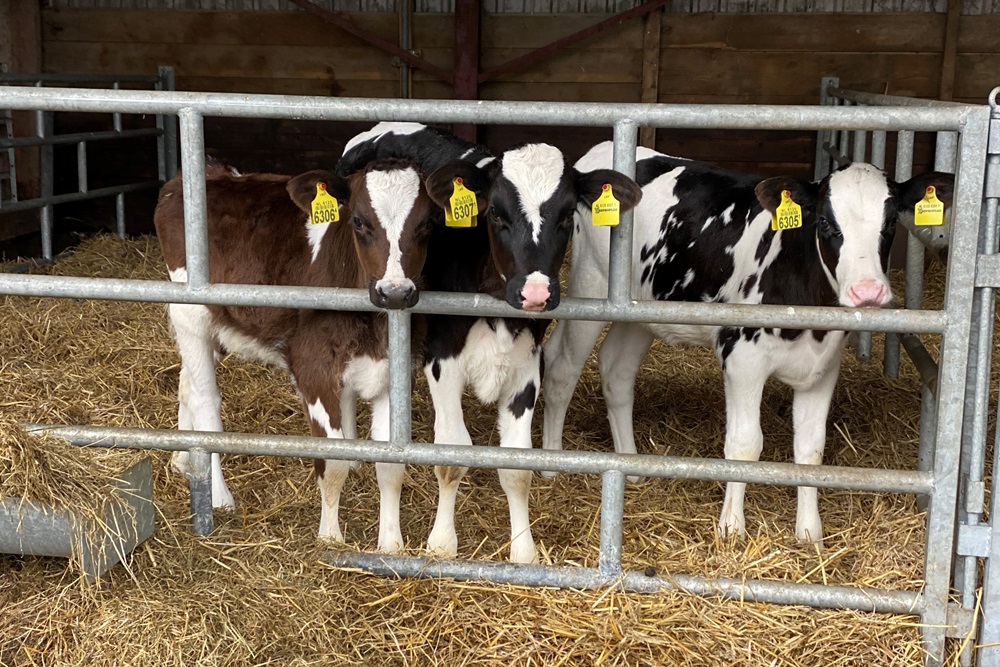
(524, 552)
(548, 474)
(442, 545)
(731, 525)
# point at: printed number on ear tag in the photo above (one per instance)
(463, 210)
(929, 211)
(606, 210)
(788, 214)
(324, 206)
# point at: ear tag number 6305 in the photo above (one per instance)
(788, 215)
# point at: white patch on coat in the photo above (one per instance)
(535, 171)
(382, 129)
(368, 377)
(178, 275)
(237, 342)
(318, 414)
(485, 161)
(315, 234)
(392, 194)
(485, 361)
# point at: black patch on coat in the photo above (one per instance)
(525, 400)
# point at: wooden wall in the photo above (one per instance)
(703, 58)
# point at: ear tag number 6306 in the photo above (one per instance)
(324, 206)
(463, 210)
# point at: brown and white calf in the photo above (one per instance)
(261, 233)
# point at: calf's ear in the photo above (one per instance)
(910, 192)
(802, 193)
(302, 188)
(440, 184)
(590, 184)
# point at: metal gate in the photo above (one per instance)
(940, 483)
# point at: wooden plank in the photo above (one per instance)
(466, 67)
(978, 34)
(946, 89)
(324, 87)
(975, 76)
(573, 65)
(532, 31)
(650, 71)
(24, 23)
(560, 92)
(874, 33)
(754, 74)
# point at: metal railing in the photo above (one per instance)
(45, 139)
(940, 483)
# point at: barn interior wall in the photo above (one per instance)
(703, 58)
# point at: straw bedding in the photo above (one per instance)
(258, 592)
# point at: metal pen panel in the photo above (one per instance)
(81, 166)
(400, 366)
(195, 198)
(626, 135)
(43, 129)
(612, 513)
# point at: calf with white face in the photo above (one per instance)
(704, 234)
(262, 231)
(526, 199)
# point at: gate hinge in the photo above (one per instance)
(961, 622)
(973, 540)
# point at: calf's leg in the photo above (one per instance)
(744, 380)
(323, 409)
(390, 482)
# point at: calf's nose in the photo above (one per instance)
(395, 297)
(868, 293)
(534, 296)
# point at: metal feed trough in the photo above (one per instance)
(940, 483)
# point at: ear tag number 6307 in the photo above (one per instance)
(463, 210)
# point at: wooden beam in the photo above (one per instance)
(378, 42)
(24, 21)
(466, 85)
(539, 55)
(946, 91)
(650, 71)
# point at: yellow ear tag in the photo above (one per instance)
(788, 214)
(464, 210)
(605, 211)
(929, 211)
(324, 206)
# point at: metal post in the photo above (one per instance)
(116, 118)
(81, 166)
(925, 448)
(200, 484)
(864, 350)
(612, 511)
(195, 204)
(620, 259)
(166, 144)
(43, 128)
(890, 353)
(400, 363)
(951, 382)
(120, 215)
(822, 166)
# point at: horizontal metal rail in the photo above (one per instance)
(703, 116)
(450, 303)
(42, 202)
(583, 578)
(646, 465)
(878, 99)
(77, 137)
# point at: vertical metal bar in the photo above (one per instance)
(858, 150)
(120, 215)
(989, 629)
(925, 448)
(116, 117)
(166, 144)
(405, 12)
(81, 166)
(195, 203)
(620, 260)
(43, 129)
(822, 166)
(200, 484)
(612, 512)
(890, 353)
(844, 135)
(399, 378)
(914, 289)
(951, 381)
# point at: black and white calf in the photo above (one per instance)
(526, 200)
(704, 234)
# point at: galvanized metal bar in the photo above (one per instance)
(890, 351)
(823, 137)
(859, 150)
(928, 437)
(858, 154)
(704, 116)
(922, 359)
(875, 99)
(593, 463)
(989, 623)
(42, 202)
(195, 198)
(844, 136)
(612, 513)
(626, 136)
(970, 177)
(200, 484)
(773, 592)
(46, 177)
(116, 118)
(167, 145)
(81, 166)
(451, 303)
(120, 215)
(400, 365)
(76, 137)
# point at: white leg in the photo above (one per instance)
(744, 380)
(198, 391)
(390, 483)
(620, 356)
(330, 474)
(809, 412)
(566, 352)
(449, 429)
(180, 461)
(516, 408)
